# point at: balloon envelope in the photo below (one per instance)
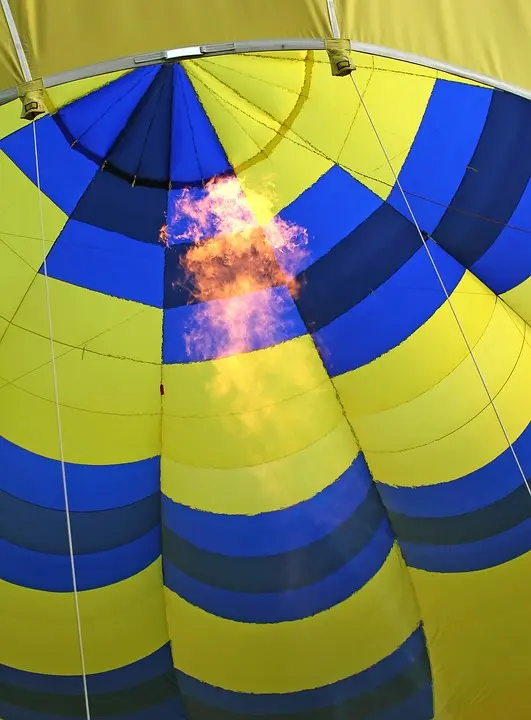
(290, 494)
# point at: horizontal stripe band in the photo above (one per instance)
(286, 571)
(45, 531)
(274, 532)
(290, 605)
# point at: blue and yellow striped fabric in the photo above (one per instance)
(344, 531)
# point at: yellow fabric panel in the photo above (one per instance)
(291, 656)
(436, 414)
(246, 410)
(261, 142)
(490, 37)
(485, 616)
(133, 27)
(262, 488)
(20, 233)
(401, 67)
(249, 438)
(244, 382)
(10, 119)
(368, 390)
(382, 92)
(447, 429)
(89, 381)
(121, 624)
(98, 322)
(88, 438)
(519, 298)
(110, 405)
(270, 116)
(10, 71)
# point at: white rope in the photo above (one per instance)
(59, 429)
(332, 16)
(15, 37)
(443, 286)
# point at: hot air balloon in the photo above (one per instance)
(265, 361)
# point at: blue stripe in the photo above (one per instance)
(142, 150)
(272, 532)
(97, 119)
(356, 267)
(418, 706)
(275, 607)
(37, 480)
(390, 314)
(470, 557)
(170, 709)
(493, 185)
(281, 572)
(330, 210)
(109, 263)
(142, 670)
(466, 494)
(247, 704)
(507, 263)
(53, 573)
(181, 323)
(442, 149)
(56, 162)
(43, 530)
(196, 153)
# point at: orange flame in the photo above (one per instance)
(230, 272)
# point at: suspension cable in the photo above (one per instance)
(443, 286)
(59, 428)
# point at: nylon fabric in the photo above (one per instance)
(289, 494)
(488, 40)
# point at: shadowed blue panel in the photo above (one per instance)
(142, 150)
(57, 161)
(113, 203)
(109, 263)
(53, 573)
(372, 680)
(169, 709)
(44, 530)
(507, 262)
(274, 532)
(37, 480)
(144, 690)
(285, 606)
(415, 706)
(390, 314)
(93, 122)
(196, 153)
(494, 519)
(442, 149)
(469, 557)
(476, 490)
(157, 663)
(280, 572)
(329, 210)
(182, 343)
(494, 183)
(356, 266)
